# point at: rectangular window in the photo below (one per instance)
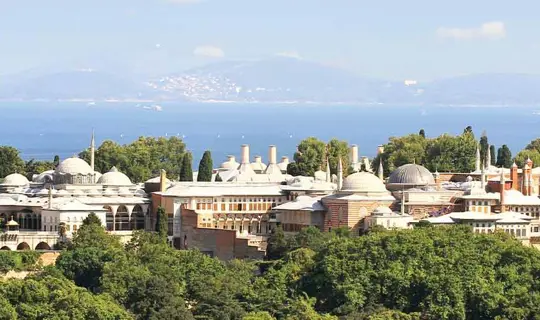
(223, 207)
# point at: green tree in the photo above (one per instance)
(261, 315)
(162, 223)
(205, 167)
(309, 158)
(504, 157)
(523, 155)
(402, 150)
(492, 155)
(186, 173)
(10, 161)
(36, 167)
(422, 133)
(277, 244)
(338, 150)
(56, 161)
(468, 129)
(484, 147)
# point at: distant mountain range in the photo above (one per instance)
(274, 80)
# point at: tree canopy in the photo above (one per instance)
(205, 167)
(186, 173)
(311, 155)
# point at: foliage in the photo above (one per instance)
(10, 161)
(186, 173)
(309, 157)
(162, 223)
(49, 297)
(444, 153)
(504, 157)
(277, 244)
(36, 167)
(56, 161)
(18, 261)
(422, 133)
(205, 167)
(312, 153)
(140, 160)
(261, 315)
(484, 147)
(523, 155)
(492, 155)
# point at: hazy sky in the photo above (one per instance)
(397, 39)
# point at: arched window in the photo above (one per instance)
(122, 219)
(109, 219)
(137, 218)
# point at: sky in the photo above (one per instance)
(390, 39)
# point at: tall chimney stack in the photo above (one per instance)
(272, 155)
(380, 149)
(245, 154)
(354, 154)
(162, 180)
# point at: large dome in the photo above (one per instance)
(361, 182)
(15, 179)
(230, 164)
(74, 166)
(411, 175)
(114, 178)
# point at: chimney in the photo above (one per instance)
(380, 149)
(258, 159)
(163, 181)
(285, 159)
(245, 154)
(354, 154)
(272, 155)
(232, 158)
(502, 183)
(514, 176)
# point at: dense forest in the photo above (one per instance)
(425, 273)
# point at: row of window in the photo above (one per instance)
(236, 207)
(236, 200)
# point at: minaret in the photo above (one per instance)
(483, 179)
(92, 159)
(340, 174)
(477, 166)
(50, 196)
(328, 174)
(488, 157)
(381, 170)
(502, 183)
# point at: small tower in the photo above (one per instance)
(340, 174)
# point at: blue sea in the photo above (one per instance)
(40, 130)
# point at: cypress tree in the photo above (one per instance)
(492, 154)
(484, 146)
(56, 161)
(186, 174)
(504, 157)
(205, 167)
(162, 223)
(422, 133)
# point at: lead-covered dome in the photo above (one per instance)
(16, 180)
(74, 166)
(363, 182)
(230, 164)
(114, 178)
(410, 176)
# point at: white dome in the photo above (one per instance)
(74, 166)
(15, 179)
(230, 164)
(258, 165)
(114, 178)
(363, 182)
(44, 176)
(380, 211)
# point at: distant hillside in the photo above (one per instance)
(273, 80)
(82, 84)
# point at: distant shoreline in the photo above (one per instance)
(272, 103)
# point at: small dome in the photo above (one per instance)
(230, 164)
(284, 163)
(363, 182)
(114, 178)
(44, 177)
(258, 165)
(380, 211)
(411, 175)
(74, 166)
(15, 179)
